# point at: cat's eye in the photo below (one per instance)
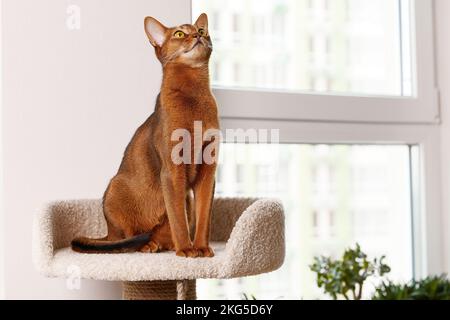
(202, 32)
(179, 34)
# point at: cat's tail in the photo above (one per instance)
(85, 245)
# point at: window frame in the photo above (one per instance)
(426, 210)
(335, 119)
(422, 107)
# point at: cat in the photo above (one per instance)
(153, 204)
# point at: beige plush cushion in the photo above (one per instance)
(247, 235)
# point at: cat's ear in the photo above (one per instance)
(202, 22)
(155, 30)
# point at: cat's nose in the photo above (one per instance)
(196, 35)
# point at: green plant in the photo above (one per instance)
(345, 278)
(248, 297)
(431, 288)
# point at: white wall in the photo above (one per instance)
(443, 70)
(72, 100)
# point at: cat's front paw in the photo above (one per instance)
(187, 253)
(206, 252)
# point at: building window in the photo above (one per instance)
(236, 23)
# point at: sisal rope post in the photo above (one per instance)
(160, 290)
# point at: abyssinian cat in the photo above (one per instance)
(151, 203)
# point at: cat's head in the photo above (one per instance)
(188, 44)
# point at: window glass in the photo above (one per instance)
(334, 197)
(354, 47)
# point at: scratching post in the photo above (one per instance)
(247, 236)
(160, 290)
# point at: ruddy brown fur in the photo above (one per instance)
(151, 195)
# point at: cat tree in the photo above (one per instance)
(247, 236)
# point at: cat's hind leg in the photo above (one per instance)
(161, 239)
(151, 247)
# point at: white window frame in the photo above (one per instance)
(428, 228)
(337, 119)
(422, 107)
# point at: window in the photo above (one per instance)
(359, 148)
(373, 30)
(325, 222)
(367, 47)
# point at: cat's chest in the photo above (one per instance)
(188, 113)
(203, 111)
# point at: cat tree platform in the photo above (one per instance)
(247, 237)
